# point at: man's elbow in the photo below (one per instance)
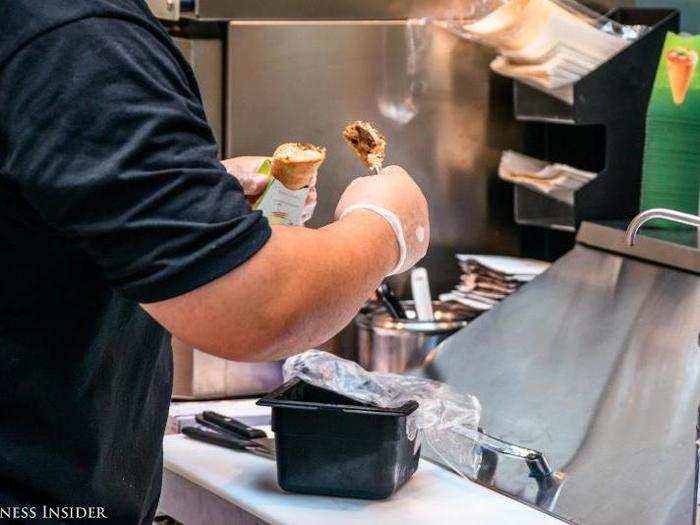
(266, 336)
(254, 346)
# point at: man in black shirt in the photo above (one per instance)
(116, 220)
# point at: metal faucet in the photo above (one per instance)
(658, 213)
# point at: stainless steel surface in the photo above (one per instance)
(595, 364)
(386, 344)
(198, 375)
(658, 213)
(678, 249)
(206, 56)
(446, 118)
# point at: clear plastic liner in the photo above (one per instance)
(446, 420)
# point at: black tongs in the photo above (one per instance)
(228, 432)
(387, 297)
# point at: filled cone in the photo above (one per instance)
(295, 164)
(367, 142)
(681, 63)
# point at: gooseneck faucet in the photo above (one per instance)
(658, 213)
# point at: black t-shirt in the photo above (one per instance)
(110, 195)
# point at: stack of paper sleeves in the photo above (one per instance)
(488, 279)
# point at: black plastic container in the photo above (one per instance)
(332, 445)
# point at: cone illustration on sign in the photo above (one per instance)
(681, 63)
(671, 171)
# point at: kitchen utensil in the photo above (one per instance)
(391, 303)
(387, 344)
(262, 442)
(227, 440)
(420, 287)
(332, 445)
(233, 425)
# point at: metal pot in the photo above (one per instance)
(395, 345)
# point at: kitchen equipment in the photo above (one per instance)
(388, 298)
(232, 425)
(227, 440)
(547, 43)
(555, 180)
(394, 345)
(420, 288)
(198, 375)
(658, 213)
(332, 445)
(236, 429)
(597, 125)
(594, 364)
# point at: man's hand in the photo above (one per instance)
(393, 190)
(245, 169)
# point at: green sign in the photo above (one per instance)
(671, 175)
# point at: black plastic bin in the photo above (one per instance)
(332, 445)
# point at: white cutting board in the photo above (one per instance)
(432, 496)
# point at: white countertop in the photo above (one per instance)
(249, 482)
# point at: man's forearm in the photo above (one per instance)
(299, 290)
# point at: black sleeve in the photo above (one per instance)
(105, 136)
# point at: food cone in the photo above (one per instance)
(681, 63)
(295, 164)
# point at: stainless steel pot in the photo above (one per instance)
(390, 345)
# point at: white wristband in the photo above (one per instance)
(394, 222)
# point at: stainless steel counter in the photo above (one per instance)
(596, 364)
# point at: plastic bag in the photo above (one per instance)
(443, 419)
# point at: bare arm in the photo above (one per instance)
(299, 290)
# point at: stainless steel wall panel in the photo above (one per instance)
(206, 56)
